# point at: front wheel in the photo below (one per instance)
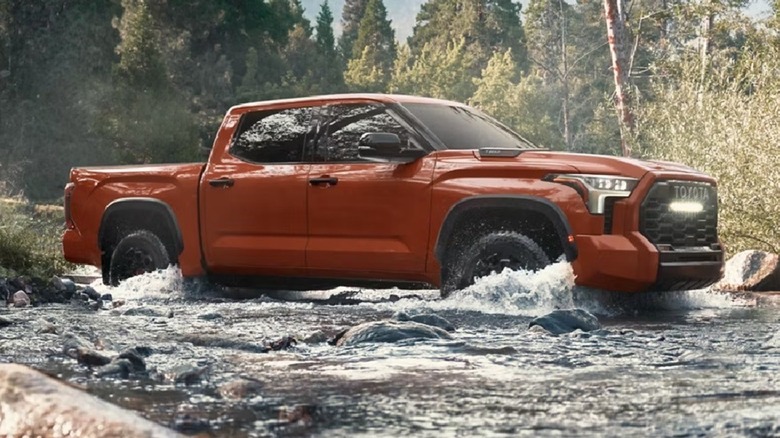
(137, 253)
(491, 253)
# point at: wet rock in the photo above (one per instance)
(57, 284)
(80, 296)
(210, 316)
(120, 368)
(135, 358)
(240, 389)
(34, 404)
(189, 424)
(281, 344)
(21, 283)
(46, 327)
(143, 311)
(106, 297)
(316, 337)
(91, 358)
(91, 293)
(186, 374)
(118, 303)
(566, 321)
(21, 299)
(751, 270)
(95, 305)
(71, 343)
(69, 285)
(5, 322)
(427, 319)
(389, 331)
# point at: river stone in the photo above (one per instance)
(91, 358)
(116, 368)
(21, 299)
(57, 284)
(90, 292)
(240, 389)
(751, 270)
(427, 319)
(136, 359)
(186, 374)
(70, 286)
(33, 404)
(390, 331)
(562, 321)
(5, 322)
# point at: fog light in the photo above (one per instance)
(686, 207)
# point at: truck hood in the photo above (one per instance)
(608, 165)
(565, 162)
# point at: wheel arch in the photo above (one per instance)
(151, 214)
(482, 204)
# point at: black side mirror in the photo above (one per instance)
(386, 147)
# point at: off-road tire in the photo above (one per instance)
(137, 253)
(490, 253)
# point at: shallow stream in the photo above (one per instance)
(665, 364)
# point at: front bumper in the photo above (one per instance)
(632, 264)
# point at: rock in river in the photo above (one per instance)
(32, 404)
(427, 319)
(751, 270)
(390, 331)
(21, 299)
(566, 321)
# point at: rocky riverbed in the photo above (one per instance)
(197, 362)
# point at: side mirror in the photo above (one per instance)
(386, 147)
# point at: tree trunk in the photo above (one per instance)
(617, 36)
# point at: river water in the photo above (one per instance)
(665, 364)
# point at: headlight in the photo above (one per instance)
(595, 189)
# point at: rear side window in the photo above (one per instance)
(274, 136)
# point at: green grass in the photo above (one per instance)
(30, 239)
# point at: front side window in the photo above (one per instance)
(341, 127)
(272, 136)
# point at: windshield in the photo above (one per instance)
(466, 128)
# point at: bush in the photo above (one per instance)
(30, 240)
(726, 126)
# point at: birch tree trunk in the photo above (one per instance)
(617, 35)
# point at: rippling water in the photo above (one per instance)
(682, 364)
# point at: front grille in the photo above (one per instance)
(662, 226)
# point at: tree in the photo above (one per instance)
(331, 76)
(617, 35)
(435, 73)
(525, 106)
(375, 48)
(487, 26)
(351, 16)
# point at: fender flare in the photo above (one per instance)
(520, 202)
(142, 206)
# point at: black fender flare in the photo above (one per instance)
(520, 202)
(142, 206)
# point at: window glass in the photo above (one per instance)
(465, 128)
(274, 136)
(343, 125)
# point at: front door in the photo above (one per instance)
(365, 218)
(253, 198)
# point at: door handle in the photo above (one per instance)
(221, 182)
(324, 181)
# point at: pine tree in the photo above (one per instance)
(435, 73)
(350, 23)
(331, 75)
(140, 61)
(487, 26)
(376, 45)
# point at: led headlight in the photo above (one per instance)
(595, 189)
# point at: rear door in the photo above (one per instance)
(366, 219)
(253, 199)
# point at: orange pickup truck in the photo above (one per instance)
(365, 189)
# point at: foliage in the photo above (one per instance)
(435, 73)
(727, 128)
(374, 50)
(30, 240)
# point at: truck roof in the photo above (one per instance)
(351, 97)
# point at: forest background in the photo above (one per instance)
(88, 82)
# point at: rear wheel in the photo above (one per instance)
(137, 253)
(491, 253)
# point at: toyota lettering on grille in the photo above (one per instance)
(692, 193)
